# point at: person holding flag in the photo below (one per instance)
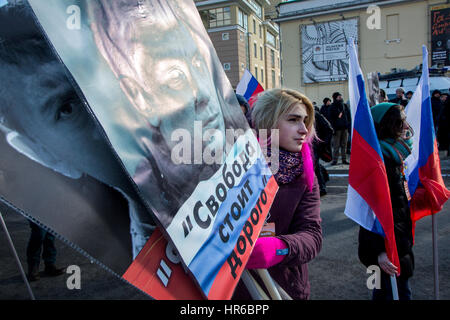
(369, 195)
(394, 135)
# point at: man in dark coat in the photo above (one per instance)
(340, 119)
(322, 149)
(443, 132)
(400, 97)
(325, 108)
(436, 107)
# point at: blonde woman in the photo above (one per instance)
(296, 207)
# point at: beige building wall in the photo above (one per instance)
(231, 49)
(408, 22)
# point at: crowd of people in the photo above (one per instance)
(328, 136)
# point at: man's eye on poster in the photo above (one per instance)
(125, 133)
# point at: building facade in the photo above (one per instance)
(389, 33)
(243, 39)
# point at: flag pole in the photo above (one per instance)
(270, 285)
(11, 245)
(253, 288)
(394, 288)
(435, 257)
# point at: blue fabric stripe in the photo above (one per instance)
(377, 228)
(365, 128)
(427, 134)
(214, 246)
(251, 87)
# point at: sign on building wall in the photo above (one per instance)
(440, 35)
(324, 50)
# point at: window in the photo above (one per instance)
(262, 75)
(392, 27)
(273, 79)
(272, 58)
(219, 17)
(257, 7)
(270, 38)
(261, 53)
(255, 51)
(254, 26)
(260, 31)
(256, 73)
(243, 19)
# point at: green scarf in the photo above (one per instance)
(398, 150)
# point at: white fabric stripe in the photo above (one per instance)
(243, 84)
(413, 116)
(358, 210)
(354, 69)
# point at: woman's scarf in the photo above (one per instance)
(398, 150)
(293, 164)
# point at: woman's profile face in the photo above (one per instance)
(293, 130)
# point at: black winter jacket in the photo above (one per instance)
(372, 244)
(343, 122)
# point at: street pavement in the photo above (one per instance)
(335, 274)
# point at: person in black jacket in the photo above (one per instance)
(400, 97)
(325, 108)
(322, 149)
(340, 119)
(443, 131)
(436, 107)
(394, 135)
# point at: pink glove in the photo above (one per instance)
(267, 252)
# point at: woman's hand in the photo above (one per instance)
(267, 252)
(386, 265)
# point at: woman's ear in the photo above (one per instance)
(143, 104)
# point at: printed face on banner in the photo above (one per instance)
(161, 65)
(151, 78)
(43, 119)
(50, 124)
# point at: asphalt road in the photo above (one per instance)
(335, 274)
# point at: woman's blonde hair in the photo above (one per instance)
(272, 104)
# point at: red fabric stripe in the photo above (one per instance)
(430, 197)
(254, 96)
(367, 175)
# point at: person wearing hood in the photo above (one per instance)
(394, 135)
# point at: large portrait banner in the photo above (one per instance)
(131, 96)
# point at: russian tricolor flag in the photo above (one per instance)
(368, 197)
(423, 167)
(249, 87)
